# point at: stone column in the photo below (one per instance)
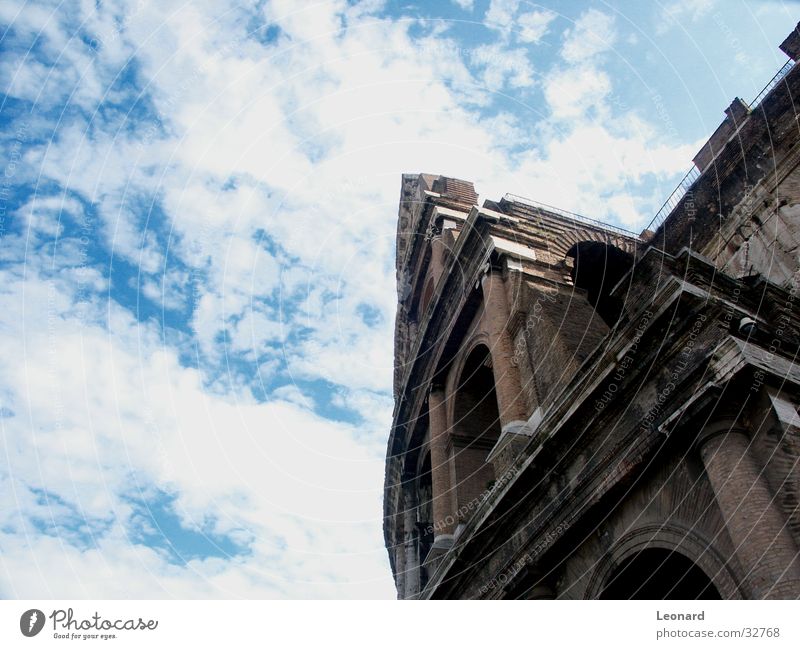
(766, 551)
(443, 510)
(437, 258)
(510, 400)
(410, 542)
(400, 567)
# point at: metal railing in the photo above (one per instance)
(685, 185)
(570, 215)
(674, 198)
(780, 74)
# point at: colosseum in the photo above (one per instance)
(583, 412)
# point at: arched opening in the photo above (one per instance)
(656, 573)
(476, 429)
(597, 267)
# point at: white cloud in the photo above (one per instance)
(624, 208)
(572, 92)
(597, 172)
(533, 25)
(503, 66)
(672, 14)
(593, 33)
(500, 13)
(170, 289)
(112, 409)
(293, 394)
(256, 333)
(527, 26)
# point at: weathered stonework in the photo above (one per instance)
(583, 412)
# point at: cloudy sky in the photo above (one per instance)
(197, 220)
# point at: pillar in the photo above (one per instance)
(437, 258)
(410, 542)
(510, 400)
(762, 544)
(443, 510)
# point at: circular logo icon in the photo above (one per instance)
(31, 622)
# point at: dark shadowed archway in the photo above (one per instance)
(656, 573)
(476, 429)
(597, 268)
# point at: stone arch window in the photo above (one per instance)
(597, 267)
(475, 430)
(658, 573)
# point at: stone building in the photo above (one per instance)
(584, 412)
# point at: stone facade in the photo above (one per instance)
(584, 412)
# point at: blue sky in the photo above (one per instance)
(197, 221)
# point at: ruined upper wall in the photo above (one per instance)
(417, 191)
(742, 211)
(421, 195)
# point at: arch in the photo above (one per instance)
(657, 573)
(475, 411)
(597, 267)
(559, 244)
(667, 538)
(475, 429)
(455, 370)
